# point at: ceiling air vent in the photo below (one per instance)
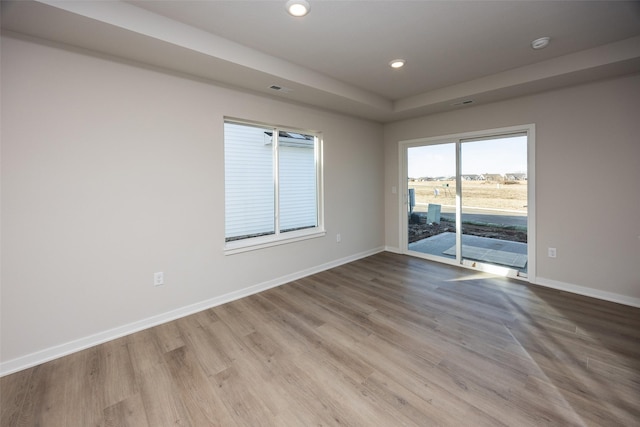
(280, 88)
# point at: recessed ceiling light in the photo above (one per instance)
(540, 43)
(298, 8)
(397, 63)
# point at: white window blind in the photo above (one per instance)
(249, 182)
(298, 203)
(271, 182)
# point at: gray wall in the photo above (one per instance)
(111, 172)
(587, 179)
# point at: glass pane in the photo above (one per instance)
(248, 181)
(494, 201)
(431, 203)
(298, 181)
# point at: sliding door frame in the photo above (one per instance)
(529, 130)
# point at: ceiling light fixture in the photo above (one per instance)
(298, 8)
(397, 63)
(540, 43)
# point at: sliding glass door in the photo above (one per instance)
(494, 201)
(467, 200)
(431, 189)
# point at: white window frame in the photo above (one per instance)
(530, 131)
(279, 238)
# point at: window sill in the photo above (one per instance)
(239, 246)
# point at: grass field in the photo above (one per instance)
(479, 194)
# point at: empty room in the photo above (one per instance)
(318, 212)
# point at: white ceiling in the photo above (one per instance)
(337, 56)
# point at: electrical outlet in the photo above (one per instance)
(338, 238)
(552, 252)
(158, 278)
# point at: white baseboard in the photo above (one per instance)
(61, 350)
(589, 292)
(568, 287)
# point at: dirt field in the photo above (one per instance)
(510, 196)
(419, 231)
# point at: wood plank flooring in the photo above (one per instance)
(388, 340)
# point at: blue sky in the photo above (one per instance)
(489, 156)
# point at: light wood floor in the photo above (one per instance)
(385, 341)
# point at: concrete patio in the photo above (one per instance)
(483, 249)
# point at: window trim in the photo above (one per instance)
(526, 129)
(280, 238)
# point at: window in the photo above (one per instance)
(272, 185)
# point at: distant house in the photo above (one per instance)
(473, 177)
(494, 177)
(517, 176)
